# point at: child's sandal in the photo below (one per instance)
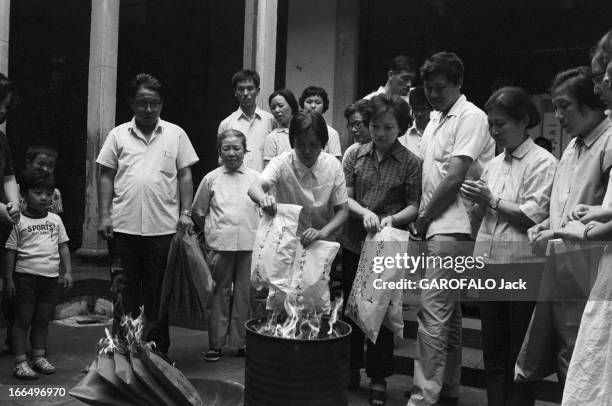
(23, 371)
(42, 365)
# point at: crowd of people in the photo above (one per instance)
(422, 159)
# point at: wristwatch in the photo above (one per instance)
(186, 212)
(493, 203)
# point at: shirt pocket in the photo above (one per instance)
(168, 164)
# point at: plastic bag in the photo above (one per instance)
(274, 247)
(367, 306)
(308, 278)
(188, 284)
(106, 369)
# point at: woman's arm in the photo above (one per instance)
(341, 213)
(370, 220)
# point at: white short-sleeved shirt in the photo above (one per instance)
(146, 197)
(462, 132)
(230, 216)
(278, 143)
(525, 177)
(412, 141)
(255, 130)
(37, 244)
(318, 188)
(383, 90)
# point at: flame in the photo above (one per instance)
(107, 344)
(295, 323)
(134, 329)
(338, 302)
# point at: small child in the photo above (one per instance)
(43, 157)
(33, 252)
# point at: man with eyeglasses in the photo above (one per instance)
(145, 194)
(249, 119)
(400, 76)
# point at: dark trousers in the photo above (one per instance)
(504, 325)
(143, 260)
(379, 355)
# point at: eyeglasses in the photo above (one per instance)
(355, 125)
(153, 104)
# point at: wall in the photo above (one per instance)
(311, 48)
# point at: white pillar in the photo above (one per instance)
(346, 61)
(5, 17)
(101, 101)
(260, 18)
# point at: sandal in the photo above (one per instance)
(213, 355)
(42, 365)
(378, 394)
(23, 371)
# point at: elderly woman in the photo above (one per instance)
(229, 219)
(514, 193)
(589, 378)
(308, 177)
(383, 181)
(283, 106)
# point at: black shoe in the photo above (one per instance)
(242, 352)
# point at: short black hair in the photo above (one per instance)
(402, 63)
(516, 103)
(363, 107)
(146, 81)
(446, 63)
(35, 150)
(35, 178)
(308, 121)
(315, 91)
(288, 95)
(6, 86)
(384, 103)
(579, 83)
(417, 98)
(243, 75)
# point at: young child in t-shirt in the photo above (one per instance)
(33, 252)
(45, 158)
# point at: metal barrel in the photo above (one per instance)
(295, 372)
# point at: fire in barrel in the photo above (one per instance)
(298, 359)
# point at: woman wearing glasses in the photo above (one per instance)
(589, 378)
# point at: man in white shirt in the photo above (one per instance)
(456, 146)
(249, 119)
(400, 76)
(421, 110)
(145, 194)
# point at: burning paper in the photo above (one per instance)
(110, 379)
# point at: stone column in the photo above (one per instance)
(5, 16)
(260, 18)
(100, 112)
(346, 61)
